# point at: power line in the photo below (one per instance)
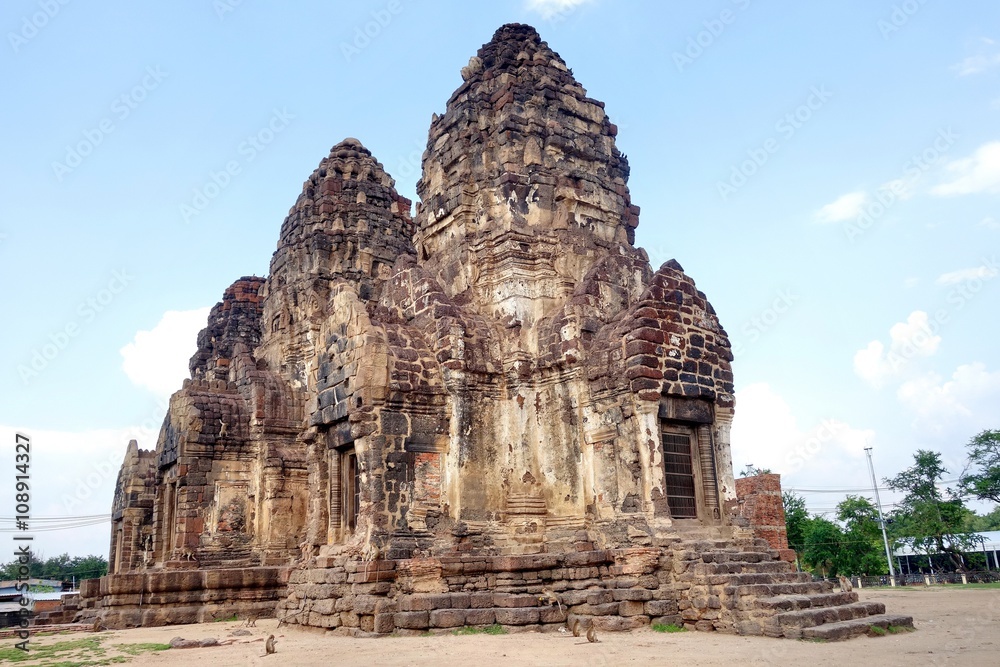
(829, 489)
(50, 524)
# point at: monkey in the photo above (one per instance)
(97, 625)
(251, 621)
(369, 553)
(269, 645)
(550, 597)
(189, 555)
(576, 628)
(592, 634)
(845, 584)
(224, 429)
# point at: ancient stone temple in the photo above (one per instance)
(493, 412)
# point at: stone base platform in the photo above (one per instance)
(611, 589)
(741, 587)
(169, 597)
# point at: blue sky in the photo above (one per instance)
(828, 173)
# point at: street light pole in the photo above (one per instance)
(881, 519)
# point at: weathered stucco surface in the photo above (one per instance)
(496, 411)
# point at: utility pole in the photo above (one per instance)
(881, 519)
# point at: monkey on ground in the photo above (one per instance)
(592, 634)
(845, 584)
(576, 628)
(269, 645)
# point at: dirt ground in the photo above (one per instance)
(955, 626)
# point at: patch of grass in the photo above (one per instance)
(86, 652)
(13, 655)
(668, 627)
(227, 619)
(898, 629)
(52, 651)
(876, 630)
(88, 663)
(136, 649)
(495, 629)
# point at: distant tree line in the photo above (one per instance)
(929, 519)
(61, 567)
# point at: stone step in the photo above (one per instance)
(749, 578)
(771, 590)
(737, 567)
(808, 618)
(856, 627)
(730, 556)
(782, 603)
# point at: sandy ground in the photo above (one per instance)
(954, 627)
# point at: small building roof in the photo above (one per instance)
(991, 542)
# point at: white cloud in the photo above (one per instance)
(157, 360)
(986, 58)
(989, 222)
(968, 398)
(910, 283)
(909, 339)
(981, 272)
(845, 207)
(552, 8)
(76, 474)
(977, 64)
(870, 364)
(766, 434)
(979, 173)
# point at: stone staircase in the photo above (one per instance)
(741, 586)
(65, 613)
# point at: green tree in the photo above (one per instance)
(862, 551)
(983, 481)
(796, 520)
(89, 567)
(979, 523)
(752, 471)
(823, 542)
(60, 567)
(927, 518)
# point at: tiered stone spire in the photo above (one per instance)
(348, 223)
(522, 183)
